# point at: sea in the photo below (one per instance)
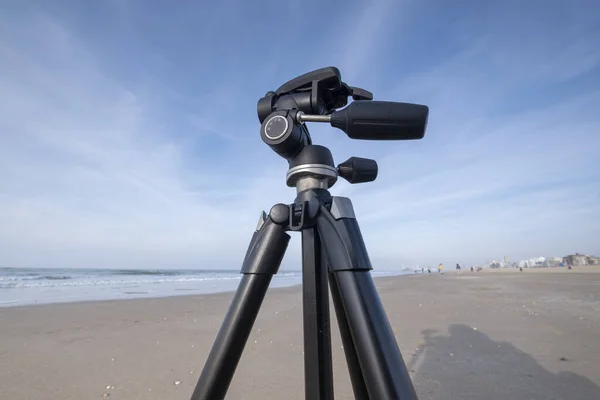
(27, 286)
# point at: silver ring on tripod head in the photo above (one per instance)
(318, 171)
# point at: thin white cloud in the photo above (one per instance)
(365, 33)
(514, 185)
(87, 169)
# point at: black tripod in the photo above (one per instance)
(333, 249)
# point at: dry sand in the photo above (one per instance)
(487, 335)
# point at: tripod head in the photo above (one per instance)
(316, 97)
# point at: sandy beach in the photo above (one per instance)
(484, 335)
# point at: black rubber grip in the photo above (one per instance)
(382, 120)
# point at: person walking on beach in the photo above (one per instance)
(440, 268)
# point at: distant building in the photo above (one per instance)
(553, 262)
(533, 262)
(576, 259)
(593, 260)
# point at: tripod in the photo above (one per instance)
(333, 250)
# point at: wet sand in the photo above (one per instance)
(488, 335)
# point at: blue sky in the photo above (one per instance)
(129, 135)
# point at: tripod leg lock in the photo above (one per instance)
(266, 250)
(341, 237)
(303, 215)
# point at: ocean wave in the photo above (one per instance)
(53, 277)
(35, 278)
(104, 282)
(66, 281)
(148, 272)
(103, 278)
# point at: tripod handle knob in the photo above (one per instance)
(382, 120)
(358, 170)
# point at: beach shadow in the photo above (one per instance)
(467, 364)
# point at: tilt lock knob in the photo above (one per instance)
(358, 170)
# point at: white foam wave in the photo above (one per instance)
(15, 282)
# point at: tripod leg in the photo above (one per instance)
(356, 376)
(264, 255)
(318, 370)
(384, 371)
